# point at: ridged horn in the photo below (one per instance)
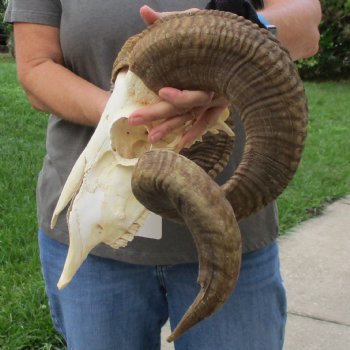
(179, 183)
(224, 53)
(221, 52)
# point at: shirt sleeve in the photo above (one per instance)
(34, 11)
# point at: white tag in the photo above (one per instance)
(152, 227)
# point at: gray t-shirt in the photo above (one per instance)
(91, 34)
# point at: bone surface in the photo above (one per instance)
(103, 208)
(211, 51)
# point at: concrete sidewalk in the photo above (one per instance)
(315, 263)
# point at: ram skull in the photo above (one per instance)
(210, 51)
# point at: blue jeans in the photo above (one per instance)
(115, 305)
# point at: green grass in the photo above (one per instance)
(24, 315)
(324, 173)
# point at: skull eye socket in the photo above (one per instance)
(129, 141)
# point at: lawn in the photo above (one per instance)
(24, 315)
(324, 173)
(324, 176)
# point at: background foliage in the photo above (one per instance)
(333, 60)
(3, 4)
(5, 30)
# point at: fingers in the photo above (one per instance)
(185, 99)
(175, 110)
(200, 126)
(174, 103)
(160, 131)
(158, 111)
(150, 16)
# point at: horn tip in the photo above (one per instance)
(173, 336)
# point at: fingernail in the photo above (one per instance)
(136, 120)
(168, 92)
(155, 137)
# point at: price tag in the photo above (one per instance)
(152, 227)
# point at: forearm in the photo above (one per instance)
(52, 88)
(49, 86)
(297, 24)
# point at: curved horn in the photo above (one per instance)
(222, 52)
(179, 183)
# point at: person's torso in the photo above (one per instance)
(92, 34)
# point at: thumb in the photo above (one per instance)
(149, 15)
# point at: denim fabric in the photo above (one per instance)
(115, 305)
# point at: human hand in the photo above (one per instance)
(178, 107)
(150, 16)
(199, 109)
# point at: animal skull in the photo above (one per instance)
(103, 208)
(210, 51)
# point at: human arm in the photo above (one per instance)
(297, 24)
(178, 106)
(49, 86)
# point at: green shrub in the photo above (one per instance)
(6, 28)
(333, 59)
(3, 5)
